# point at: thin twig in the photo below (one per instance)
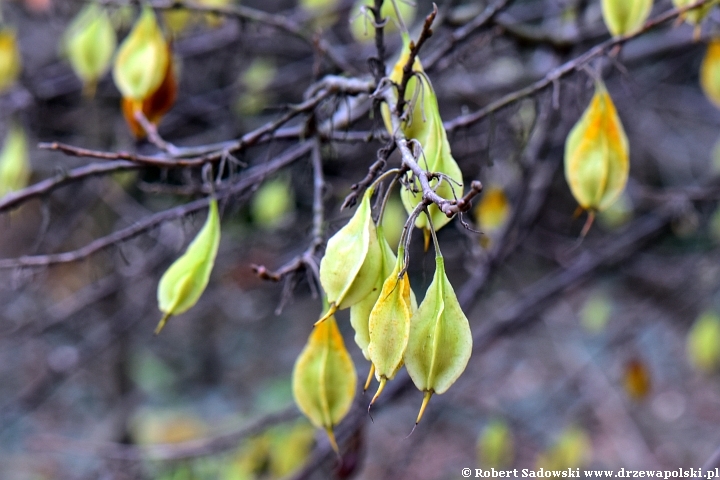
(565, 69)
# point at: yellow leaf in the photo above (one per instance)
(324, 378)
(184, 282)
(597, 157)
(14, 161)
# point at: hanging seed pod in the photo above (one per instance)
(597, 157)
(156, 105)
(389, 325)
(90, 42)
(710, 72)
(184, 282)
(495, 446)
(324, 378)
(14, 161)
(636, 379)
(10, 61)
(696, 15)
(353, 260)
(440, 342)
(625, 16)
(425, 125)
(142, 59)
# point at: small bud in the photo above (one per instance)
(184, 282)
(324, 378)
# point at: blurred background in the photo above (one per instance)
(594, 354)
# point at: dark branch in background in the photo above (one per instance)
(308, 260)
(373, 172)
(250, 178)
(462, 33)
(565, 69)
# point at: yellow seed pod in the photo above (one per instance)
(90, 42)
(142, 59)
(440, 341)
(636, 379)
(14, 161)
(184, 282)
(597, 157)
(360, 312)
(573, 449)
(10, 61)
(625, 16)
(493, 210)
(703, 342)
(389, 325)
(696, 15)
(424, 124)
(710, 72)
(361, 25)
(324, 378)
(353, 260)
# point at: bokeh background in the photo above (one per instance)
(594, 354)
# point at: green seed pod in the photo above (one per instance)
(625, 16)
(353, 260)
(324, 378)
(440, 342)
(90, 42)
(425, 125)
(597, 157)
(184, 282)
(389, 325)
(14, 162)
(142, 60)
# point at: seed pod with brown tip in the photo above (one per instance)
(324, 378)
(597, 156)
(440, 340)
(389, 325)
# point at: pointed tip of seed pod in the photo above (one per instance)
(411, 432)
(426, 399)
(426, 238)
(381, 387)
(162, 322)
(333, 442)
(369, 377)
(331, 311)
